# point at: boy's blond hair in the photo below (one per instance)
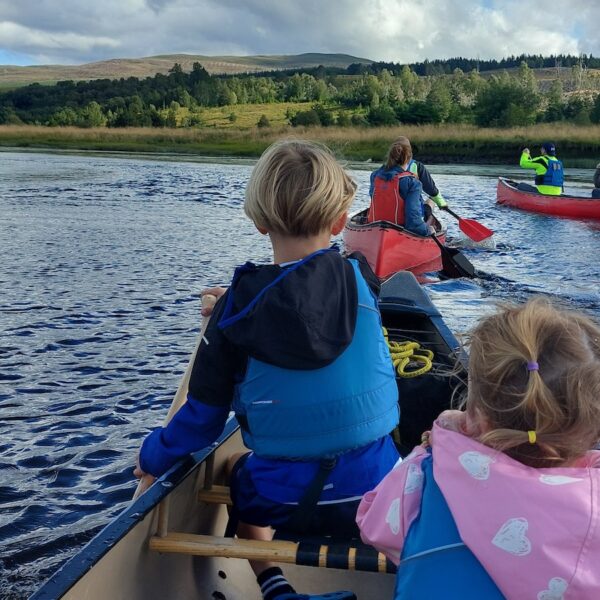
(298, 188)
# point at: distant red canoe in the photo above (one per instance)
(390, 248)
(564, 206)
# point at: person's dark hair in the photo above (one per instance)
(400, 152)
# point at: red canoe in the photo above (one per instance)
(390, 248)
(564, 206)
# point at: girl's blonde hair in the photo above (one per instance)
(298, 188)
(400, 152)
(534, 368)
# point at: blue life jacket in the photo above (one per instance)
(309, 414)
(435, 563)
(554, 174)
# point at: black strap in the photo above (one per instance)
(300, 518)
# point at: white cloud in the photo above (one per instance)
(13, 35)
(394, 30)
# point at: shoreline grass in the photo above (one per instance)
(441, 143)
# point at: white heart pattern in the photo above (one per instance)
(414, 479)
(393, 516)
(476, 464)
(512, 539)
(558, 479)
(557, 587)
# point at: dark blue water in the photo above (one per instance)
(101, 261)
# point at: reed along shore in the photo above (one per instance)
(576, 145)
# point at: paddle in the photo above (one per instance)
(454, 263)
(208, 301)
(470, 227)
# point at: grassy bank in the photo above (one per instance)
(578, 146)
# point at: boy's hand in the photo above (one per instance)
(209, 297)
(146, 480)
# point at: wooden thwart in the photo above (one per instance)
(216, 494)
(351, 556)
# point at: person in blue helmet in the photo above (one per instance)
(549, 172)
(296, 350)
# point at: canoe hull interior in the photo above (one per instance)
(562, 206)
(390, 248)
(118, 563)
(130, 571)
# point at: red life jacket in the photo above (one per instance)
(386, 202)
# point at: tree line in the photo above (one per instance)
(372, 95)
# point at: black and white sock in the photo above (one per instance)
(273, 583)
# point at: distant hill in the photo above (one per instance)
(12, 76)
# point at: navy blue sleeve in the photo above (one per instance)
(194, 426)
(410, 190)
(426, 180)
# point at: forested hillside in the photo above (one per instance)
(497, 94)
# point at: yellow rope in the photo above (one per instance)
(405, 353)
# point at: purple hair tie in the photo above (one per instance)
(532, 366)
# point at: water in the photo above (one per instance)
(101, 263)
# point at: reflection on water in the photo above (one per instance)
(102, 260)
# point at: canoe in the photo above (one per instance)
(563, 206)
(390, 248)
(169, 542)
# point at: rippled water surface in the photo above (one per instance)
(101, 260)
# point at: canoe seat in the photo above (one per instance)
(351, 555)
(216, 494)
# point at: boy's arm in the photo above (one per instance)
(386, 513)
(200, 421)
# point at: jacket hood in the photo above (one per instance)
(300, 316)
(535, 531)
(388, 174)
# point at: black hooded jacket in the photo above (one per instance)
(304, 321)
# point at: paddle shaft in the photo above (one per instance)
(448, 210)
(208, 300)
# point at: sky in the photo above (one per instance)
(402, 31)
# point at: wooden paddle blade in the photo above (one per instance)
(474, 229)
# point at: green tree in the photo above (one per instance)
(91, 116)
(263, 122)
(383, 115)
(505, 103)
(306, 118)
(555, 108)
(439, 101)
(65, 117)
